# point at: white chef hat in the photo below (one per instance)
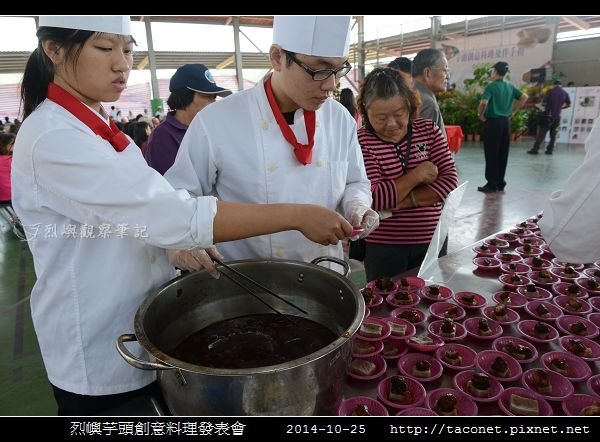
(111, 24)
(323, 36)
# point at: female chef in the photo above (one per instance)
(99, 219)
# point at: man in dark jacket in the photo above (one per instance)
(555, 100)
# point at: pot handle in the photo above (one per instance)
(341, 262)
(132, 360)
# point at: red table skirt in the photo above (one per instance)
(454, 134)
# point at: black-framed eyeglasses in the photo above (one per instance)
(321, 74)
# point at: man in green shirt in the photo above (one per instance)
(499, 103)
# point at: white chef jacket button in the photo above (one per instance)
(152, 259)
(264, 125)
(319, 163)
(279, 252)
(272, 167)
(317, 124)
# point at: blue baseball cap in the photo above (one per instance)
(196, 77)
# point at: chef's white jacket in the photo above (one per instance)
(235, 150)
(570, 224)
(68, 184)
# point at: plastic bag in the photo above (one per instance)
(441, 231)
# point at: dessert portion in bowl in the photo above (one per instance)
(518, 401)
(368, 368)
(400, 392)
(435, 292)
(482, 328)
(361, 406)
(524, 352)
(411, 283)
(531, 292)
(456, 356)
(567, 364)
(451, 402)
(383, 286)
(485, 250)
(510, 299)
(372, 300)
(469, 300)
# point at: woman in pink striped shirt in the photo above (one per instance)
(411, 172)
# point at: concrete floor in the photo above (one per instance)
(531, 179)
(24, 389)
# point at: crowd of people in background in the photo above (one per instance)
(138, 128)
(11, 127)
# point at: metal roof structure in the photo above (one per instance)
(393, 46)
(14, 62)
(262, 21)
(413, 42)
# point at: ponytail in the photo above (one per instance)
(39, 70)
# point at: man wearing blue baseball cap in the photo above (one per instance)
(192, 89)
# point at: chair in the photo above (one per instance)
(455, 135)
(8, 213)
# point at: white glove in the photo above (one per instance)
(195, 260)
(361, 215)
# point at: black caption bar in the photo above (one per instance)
(309, 428)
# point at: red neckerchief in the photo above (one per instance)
(303, 152)
(112, 134)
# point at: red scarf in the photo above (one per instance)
(303, 152)
(112, 134)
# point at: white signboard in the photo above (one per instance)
(523, 50)
(586, 108)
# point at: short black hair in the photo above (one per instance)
(402, 64)
(501, 67)
(181, 98)
(5, 140)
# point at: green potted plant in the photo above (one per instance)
(473, 124)
(460, 107)
(519, 122)
(452, 107)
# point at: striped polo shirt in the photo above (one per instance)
(413, 225)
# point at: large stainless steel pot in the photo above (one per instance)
(306, 386)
